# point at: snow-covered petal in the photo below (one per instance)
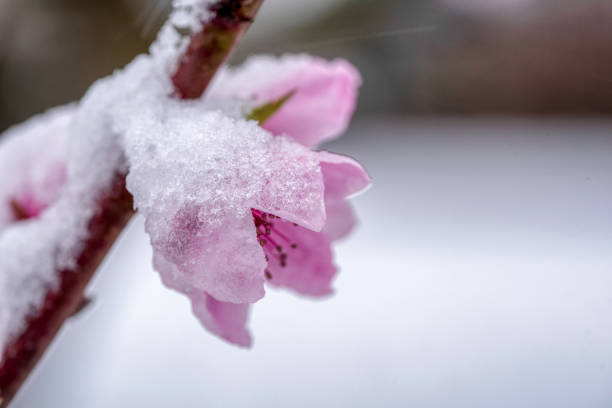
(324, 93)
(299, 199)
(222, 258)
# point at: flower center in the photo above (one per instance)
(271, 239)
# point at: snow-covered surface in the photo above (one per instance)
(479, 277)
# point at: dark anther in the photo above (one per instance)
(279, 248)
(262, 242)
(293, 246)
(268, 274)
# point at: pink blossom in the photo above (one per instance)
(222, 269)
(298, 257)
(325, 94)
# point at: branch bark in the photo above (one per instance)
(211, 47)
(206, 52)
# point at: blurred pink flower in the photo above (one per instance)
(32, 165)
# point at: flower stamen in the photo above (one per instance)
(271, 239)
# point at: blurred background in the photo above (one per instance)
(482, 272)
(420, 57)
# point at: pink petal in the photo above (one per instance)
(227, 320)
(295, 185)
(322, 106)
(324, 100)
(308, 268)
(340, 218)
(342, 175)
(302, 259)
(223, 259)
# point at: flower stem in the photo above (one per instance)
(206, 52)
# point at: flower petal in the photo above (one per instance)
(342, 175)
(226, 320)
(223, 259)
(295, 185)
(324, 99)
(308, 267)
(340, 218)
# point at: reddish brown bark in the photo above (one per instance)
(210, 48)
(206, 52)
